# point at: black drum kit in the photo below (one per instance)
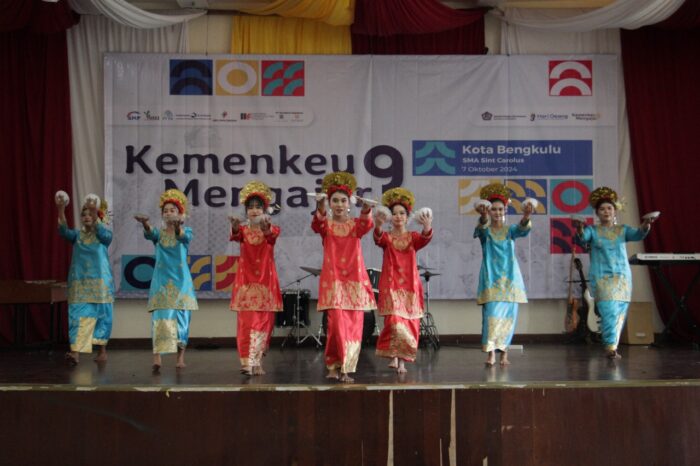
(295, 313)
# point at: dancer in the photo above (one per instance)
(344, 291)
(90, 285)
(400, 288)
(256, 292)
(501, 285)
(171, 298)
(610, 275)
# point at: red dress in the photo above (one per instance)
(400, 294)
(344, 288)
(256, 292)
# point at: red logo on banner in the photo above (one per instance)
(571, 78)
(225, 272)
(562, 232)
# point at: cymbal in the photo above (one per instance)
(311, 270)
(427, 274)
(422, 267)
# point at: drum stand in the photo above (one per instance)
(295, 332)
(428, 331)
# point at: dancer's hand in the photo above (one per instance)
(235, 223)
(141, 218)
(265, 224)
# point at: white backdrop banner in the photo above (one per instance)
(441, 126)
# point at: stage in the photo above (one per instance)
(554, 405)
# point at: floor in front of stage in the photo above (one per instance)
(534, 364)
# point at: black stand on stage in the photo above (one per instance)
(428, 331)
(295, 332)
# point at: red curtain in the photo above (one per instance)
(391, 17)
(37, 150)
(661, 68)
(464, 40)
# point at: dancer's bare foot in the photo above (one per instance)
(258, 370)
(157, 362)
(491, 360)
(394, 363)
(402, 368)
(101, 354)
(180, 358)
(504, 359)
(613, 354)
(332, 374)
(345, 378)
(72, 358)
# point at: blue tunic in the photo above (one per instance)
(171, 285)
(610, 275)
(90, 274)
(500, 278)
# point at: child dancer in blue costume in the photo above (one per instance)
(171, 298)
(610, 275)
(90, 286)
(501, 285)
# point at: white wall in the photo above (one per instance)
(212, 35)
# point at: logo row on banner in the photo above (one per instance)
(230, 77)
(555, 196)
(234, 77)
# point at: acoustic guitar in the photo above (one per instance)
(593, 319)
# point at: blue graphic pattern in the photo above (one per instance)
(191, 77)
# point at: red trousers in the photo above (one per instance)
(254, 330)
(399, 338)
(343, 339)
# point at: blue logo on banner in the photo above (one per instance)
(503, 158)
(137, 272)
(433, 158)
(191, 77)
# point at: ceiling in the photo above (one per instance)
(237, 5)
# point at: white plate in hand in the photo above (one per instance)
(651, 215)
(481, 202)
(368, 201)
(579, 218)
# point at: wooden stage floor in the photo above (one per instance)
(555, 405)
(534, 364)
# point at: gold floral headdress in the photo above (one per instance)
(256, 189)
(176, 197)
(604, 194)
(103, 212)
(400, 196)
(339, 181)
(495, 191)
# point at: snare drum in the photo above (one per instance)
(286, 318)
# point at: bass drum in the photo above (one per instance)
(286, 318)
(368, 325)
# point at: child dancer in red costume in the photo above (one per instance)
(256, 290)
(344, 291)
(400, 288)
